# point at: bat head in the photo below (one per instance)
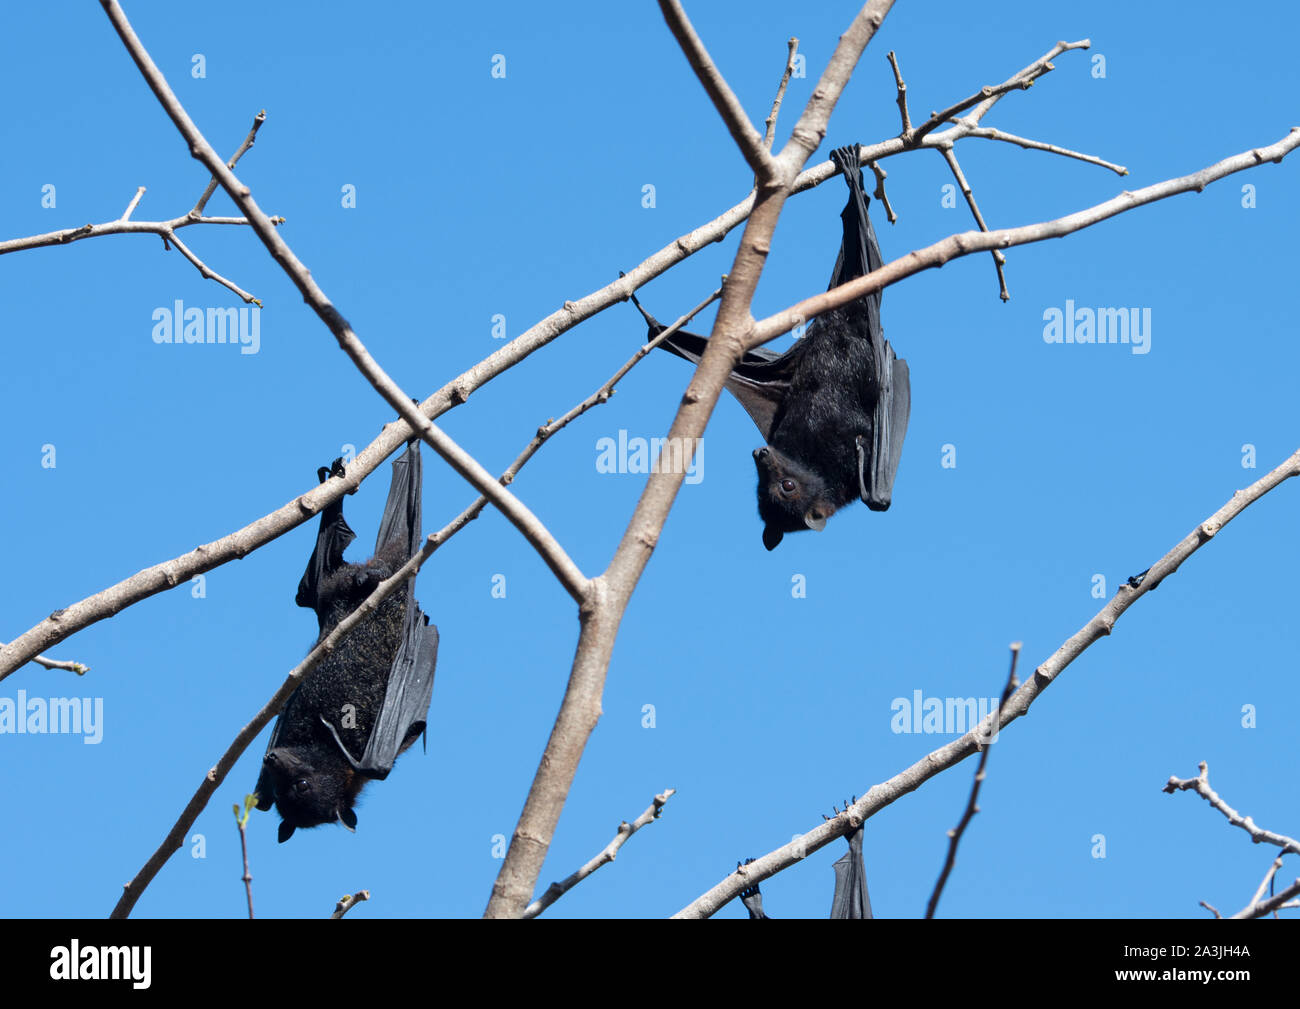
(791, 497)
(309, 787)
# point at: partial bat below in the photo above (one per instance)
(850, 899)
(751, 897)
(369, 699)
(834, 407)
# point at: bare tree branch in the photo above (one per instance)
(1201, 786)
(769, 133)
(348, 901)
(602, 611)
(956, 246)
(888, 792)
(130, 207)
(989, 133)
(810, 130)
(985, 99)
(72, 666)
(715, 85)
(123, 226)
(972, 804)
(879, 194)
(518, 514)
(1263, 907)
(249, 140)
(241, 821)
(902, 94)
(999, 260)
(607, 854)
(235, 545)
(167, 229)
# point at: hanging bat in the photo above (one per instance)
(368, 700)
(834, 407)
(850, 899)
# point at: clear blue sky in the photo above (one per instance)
(479, 196)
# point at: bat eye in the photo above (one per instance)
(301, 786)
(789, 486)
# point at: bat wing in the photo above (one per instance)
(332, 539)
(403, 715)
(890, 385)
(893, 405)
(851, 899)
(405, 710)
(760, 381)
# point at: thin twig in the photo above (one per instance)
(1201, 786)
(1021, 82)
(983, 100)
(546, 431)
(879, 194)
(792, 45)
(1032, 72)
(249, 140)
(72, 666)
(888, 792)
(989, 133)
(999, 260)
(607, 854)
(972, 804)
(122, 226)
(207, 272)
(241, 821)
(902, 94)
(166, 229)
(348, 901)
(130, 207)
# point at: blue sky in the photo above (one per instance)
(479, 196)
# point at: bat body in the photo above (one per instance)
(834, 407)
(368, 700)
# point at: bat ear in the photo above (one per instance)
(772, 537)
(348, 819)
(286, 830)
